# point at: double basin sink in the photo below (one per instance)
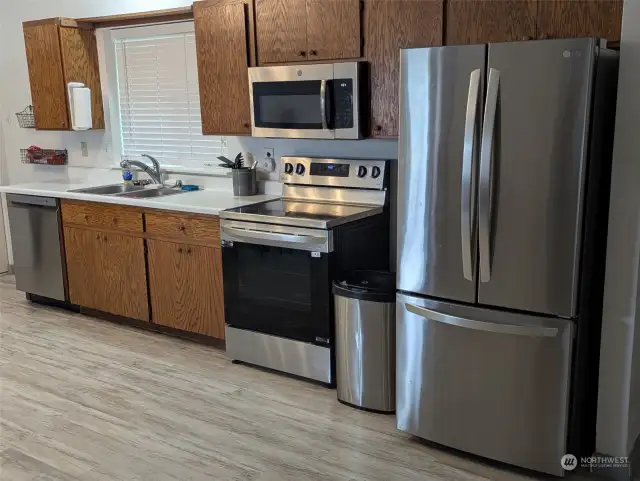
(130, 191)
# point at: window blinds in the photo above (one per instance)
(159, 101)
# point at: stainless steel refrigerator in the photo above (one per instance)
(503, 178)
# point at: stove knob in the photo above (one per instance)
(300, 169)
(288, 168)
(375, 172)
(362, 171)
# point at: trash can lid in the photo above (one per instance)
(377, 286)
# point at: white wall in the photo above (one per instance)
(15, 95)
(618, 423)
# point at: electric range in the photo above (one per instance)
(280, 257)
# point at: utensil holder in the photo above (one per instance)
(244, 182)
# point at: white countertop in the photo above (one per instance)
(207, 201)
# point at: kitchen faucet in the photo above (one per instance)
(155, 173)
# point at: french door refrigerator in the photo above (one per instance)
(503, 178)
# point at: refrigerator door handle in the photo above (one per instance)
(530, 331)
(468, 191)
(485, 194)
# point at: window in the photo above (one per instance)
(158, 98)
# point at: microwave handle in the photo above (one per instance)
(323, 104)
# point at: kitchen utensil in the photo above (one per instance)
(229, 162)
(239, 161)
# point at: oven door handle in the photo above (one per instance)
(258, 235)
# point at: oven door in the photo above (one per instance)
(275, 283)
(305, 101)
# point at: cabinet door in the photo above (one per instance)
(281, 30)
(580, 18)
(124, 276)
(82, 251)
(485, 21)
(80, 64)
(185, 282)
(46, 77)
(107, 272)
(223, 58)
(333, 29)
(389, 26)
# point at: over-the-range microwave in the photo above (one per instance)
(315, 101)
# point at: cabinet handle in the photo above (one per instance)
(86, 217)
(378, 128)
(188, 251)
(180, 250)
(182, 228)
(105, 238)
(313, 52)
(526, 37)
(98, 236)
(246, 125)
(302, 53)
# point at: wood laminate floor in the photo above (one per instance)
(84, 399)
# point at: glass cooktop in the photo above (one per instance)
(304, 214)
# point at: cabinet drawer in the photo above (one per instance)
(103, 216)
(184, 227)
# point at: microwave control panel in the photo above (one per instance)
(353, 173)
(343, 99)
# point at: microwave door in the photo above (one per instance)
(291, 105)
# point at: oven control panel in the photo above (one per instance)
(352, 173)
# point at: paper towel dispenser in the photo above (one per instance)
(80, 106)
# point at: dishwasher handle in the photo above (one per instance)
(19, 200)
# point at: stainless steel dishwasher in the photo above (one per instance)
(37, 250)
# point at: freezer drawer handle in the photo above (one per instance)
(485, 195)
(249, 234)
(468, 200)
(531, 331)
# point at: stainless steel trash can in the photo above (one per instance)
(365, 340)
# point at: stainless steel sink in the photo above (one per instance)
(143, 194)
(110, 189)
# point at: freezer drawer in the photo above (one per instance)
(489, 383)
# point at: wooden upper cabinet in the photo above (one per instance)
(57, 55)
(224, 50)
(390, 25)
(333, 29)
(80, 64)
(44, 60)
(281, 30)
(298, 30)
(485, 21)
(580, 18)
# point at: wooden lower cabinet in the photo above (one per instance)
(106, 271)
(185, 284)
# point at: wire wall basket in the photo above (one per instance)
(43, 156)
(26, 120)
